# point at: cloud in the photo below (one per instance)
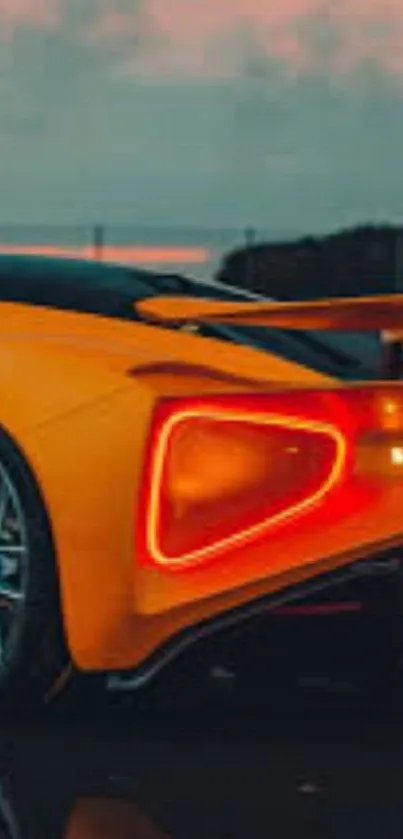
(183, 38)
(205, 39)
(226, 112)
(37, 13)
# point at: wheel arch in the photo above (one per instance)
(16, 445)
(18, 450)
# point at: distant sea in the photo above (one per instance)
(197, 252)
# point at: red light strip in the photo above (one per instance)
(234, 541)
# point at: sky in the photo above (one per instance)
(283, 115)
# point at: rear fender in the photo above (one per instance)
(88, 464)
(117, 610)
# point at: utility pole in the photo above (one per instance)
(98, 241)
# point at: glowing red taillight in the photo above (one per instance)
(223, 472)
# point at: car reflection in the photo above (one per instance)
(321, 760)
(337, 776)
(88, 818)
(97, 818)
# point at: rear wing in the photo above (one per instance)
(381, 313)
(374, 314)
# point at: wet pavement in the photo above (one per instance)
(219, 762)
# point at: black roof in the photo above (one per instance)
(109, 290)
(60, 267)
(80, 284)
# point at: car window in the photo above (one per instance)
(111, 290)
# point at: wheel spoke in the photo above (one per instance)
(12, 549)
(14, 552)
(10, 594)
(4, 497)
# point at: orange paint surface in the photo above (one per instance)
(82, 418)
(370, 313)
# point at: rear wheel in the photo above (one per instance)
(34, 662)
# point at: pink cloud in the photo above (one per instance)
(210, 37)
(204, 38)
(112, 22)
(41, 13)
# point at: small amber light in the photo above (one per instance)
(390, 411)
(380, 454)
(396, 455)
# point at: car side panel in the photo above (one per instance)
(117, 612)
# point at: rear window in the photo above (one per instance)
(110, 291)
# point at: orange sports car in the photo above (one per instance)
(176, 458)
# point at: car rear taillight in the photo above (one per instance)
(223, 472)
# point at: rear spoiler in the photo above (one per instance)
(373, 314)
(381, 313)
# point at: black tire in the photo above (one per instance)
(34, 660)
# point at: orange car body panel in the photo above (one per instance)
(79, 392)
(374, 313)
